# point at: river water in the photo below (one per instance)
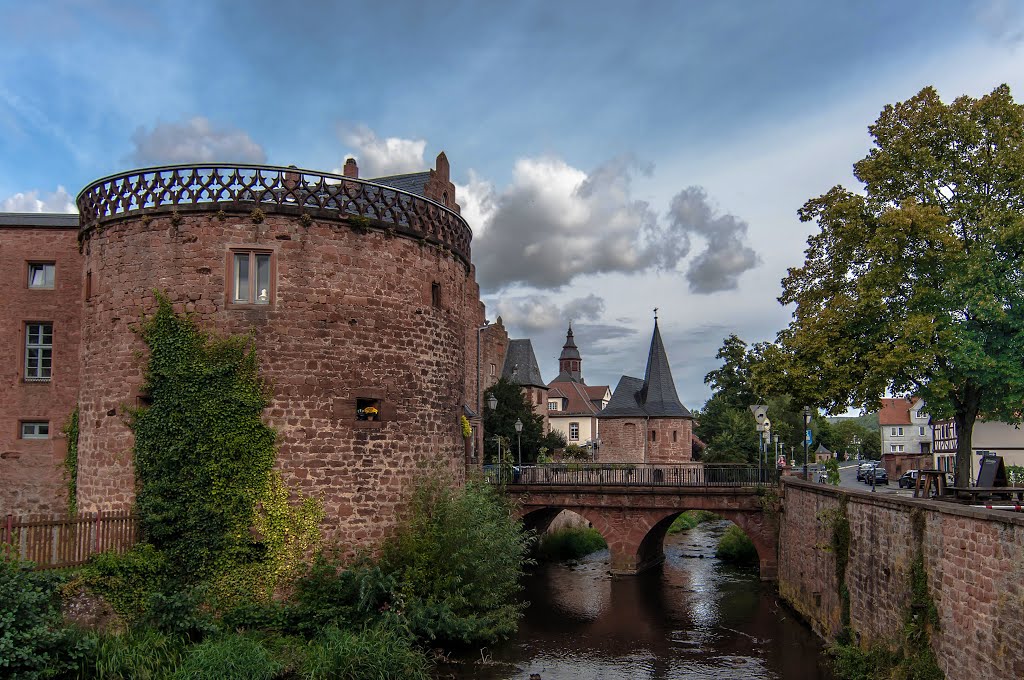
(692, 618)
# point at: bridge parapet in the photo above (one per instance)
(636, 475)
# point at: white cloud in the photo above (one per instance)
(59, 201)
(380, 157)
(194, 141)
(537, 312)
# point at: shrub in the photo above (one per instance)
(690, 519)
(371, 653)
(127, 581)
(458, 557)
(348, 598)
(232, 657)
(736, 548)
(136, 654)
(181, 614)
(569, 544)
(33, 641)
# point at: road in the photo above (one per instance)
(848, 480)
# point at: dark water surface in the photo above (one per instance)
(693, 618)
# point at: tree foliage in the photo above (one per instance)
(915, 285)
(513, 404)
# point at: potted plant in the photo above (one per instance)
(371, 412)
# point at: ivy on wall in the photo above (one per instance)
(207, 494)
(70, 464)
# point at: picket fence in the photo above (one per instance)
(60, 542)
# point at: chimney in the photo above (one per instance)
(351, 169)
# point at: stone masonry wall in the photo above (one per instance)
(351, 318)
(31, 480)
(622, 440)
(974, 560)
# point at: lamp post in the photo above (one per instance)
(760, 412)
(766, 437)
(775, 439)
(519, 441)
(807, 426)
(492, 403)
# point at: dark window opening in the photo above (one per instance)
(88, 286)
(674, 434)
(435, 294)
(654, 436)
(367, 409)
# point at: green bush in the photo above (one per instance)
(736, 548)
(127, 581)
(33, 641)
(136, 654)
(232, 657)
(690, 519)
(328, 595)
(458, 557)
(569, 544)
(181, 614)
(377, 653)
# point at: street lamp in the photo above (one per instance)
(519, 441)
(760, 412)
(807, 426)
(775, 439)
(492, 403)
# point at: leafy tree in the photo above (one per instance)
(915, 284)
(513, 404)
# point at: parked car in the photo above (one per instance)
(879, 474)
(862, 469)
(908, 479)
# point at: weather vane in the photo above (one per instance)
(655, 313)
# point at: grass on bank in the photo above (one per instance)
(570, 543)
(690, 519)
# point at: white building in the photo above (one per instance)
(904, 427)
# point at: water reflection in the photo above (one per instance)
(692, 618)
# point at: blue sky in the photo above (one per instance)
(610, 158)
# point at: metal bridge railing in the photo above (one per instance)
(627, 474)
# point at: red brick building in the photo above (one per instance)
(41, 275)
(357, 293)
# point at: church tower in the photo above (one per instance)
(569, 361)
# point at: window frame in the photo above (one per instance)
(576, 437)
(252, 301)
(22, 425)
(43, 264)
(28, 347)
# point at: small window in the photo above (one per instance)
(88, 286)
(654, 435)
(368, 409)
(892, 432)
(675, 435)
(38, 351)
(435, 295)
(493, 369)
(41, 274)
(553, 405)
(574, 432)
(922, 431)
(540, 398)
(35, 429)
(250, 278)
(899, 431)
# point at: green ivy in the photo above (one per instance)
(70, 465)
(208, 497)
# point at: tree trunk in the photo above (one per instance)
(966, 414)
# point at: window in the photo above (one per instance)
(493, 369)
(435, 295)
(540, 398)
(574, 432)
(552, 405)
(250, 278)
(899, 431)
(896, 448)
(38, 351)
(675, 433)
(654, 435)
(35, 429)
(41, 274)
(921, 431)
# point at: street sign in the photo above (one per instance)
(809, 438)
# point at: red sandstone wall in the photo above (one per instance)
(623, 440)
(973, 558)
(31, 481)
(494, 344)
(352, 318)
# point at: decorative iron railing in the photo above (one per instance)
(234, 187)
(626, 474)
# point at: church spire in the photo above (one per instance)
(658, 395)
(569, 362)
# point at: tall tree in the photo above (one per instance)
(915, 285)
(512, 405)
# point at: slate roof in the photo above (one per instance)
(413, 182)
(521, 364)
(654, 396)
(44, 220)
(569, 349)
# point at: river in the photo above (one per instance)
(692, 618)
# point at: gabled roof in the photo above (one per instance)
(654, 396)
(521, 364)
(413, 182)
(596, 391)
(895, 411)
(578, 396)
(44, 220)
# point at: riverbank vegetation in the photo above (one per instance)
(232, 579)
(570, 543)
(690, 519)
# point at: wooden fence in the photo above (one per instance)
(68, 541)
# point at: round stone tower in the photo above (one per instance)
(357, 293)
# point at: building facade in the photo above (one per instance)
(987, 437)
(572, 405)
(356, 292)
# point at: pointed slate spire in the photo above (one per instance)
(658, 396)
(569, 361)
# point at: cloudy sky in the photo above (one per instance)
(610, 158)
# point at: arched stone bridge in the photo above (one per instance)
(634, 505)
